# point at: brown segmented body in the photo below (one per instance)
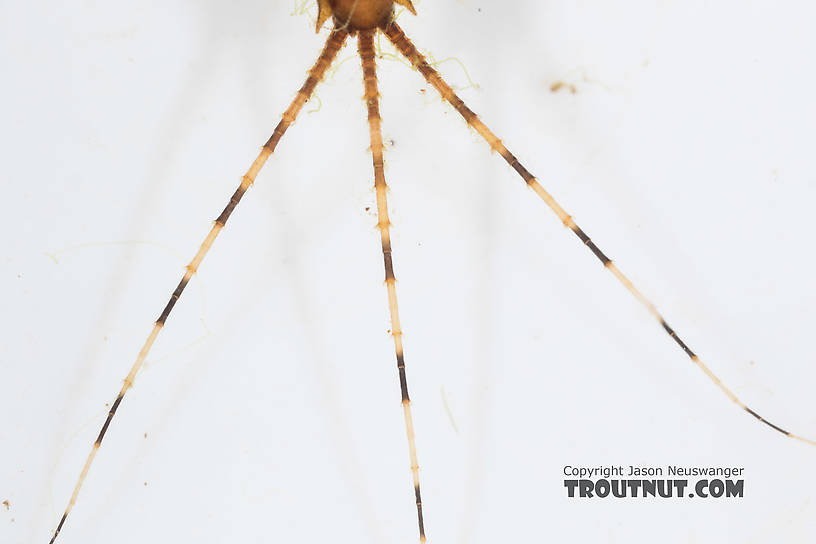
(363, 14)
(354, 15)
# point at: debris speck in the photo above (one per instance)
(558, 85)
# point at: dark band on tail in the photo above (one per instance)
(111, 413)
(766, 422)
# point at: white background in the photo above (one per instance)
(269, 408)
